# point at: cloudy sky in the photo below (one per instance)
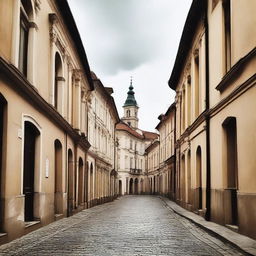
(138, 38)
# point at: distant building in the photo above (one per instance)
(131, 144)
(102, 118)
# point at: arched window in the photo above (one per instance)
(128, 113)
(58, 83)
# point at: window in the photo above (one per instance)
(128, 113)
(23, 44)
(130, 144)
(226, 8)
(196, 80)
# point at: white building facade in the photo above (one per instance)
(131, 144)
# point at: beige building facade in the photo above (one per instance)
(102, 118)
(214, 80)
(46, 94)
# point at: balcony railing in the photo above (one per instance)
(135, 171)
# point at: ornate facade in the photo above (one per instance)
(131, 144)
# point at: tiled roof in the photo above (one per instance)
(146, 135)
(127, 128)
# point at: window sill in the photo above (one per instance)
(31, 223)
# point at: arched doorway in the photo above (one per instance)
(58, 177)
(182, 179)
(86, 175)
(120, 188)
(91, 183)
(199, 196)
(141, 186)
(131, 187)
(80, 180)
(189, 177)
(3, 116)
(154, 185)
(231, 170)
(70, 182)
(136, 186)
(31, 134)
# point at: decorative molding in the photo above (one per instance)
(37, 4)
(28, 91)
(235, 71)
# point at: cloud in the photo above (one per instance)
(124, 34)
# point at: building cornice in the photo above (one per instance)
(28, 91)
(235, 71)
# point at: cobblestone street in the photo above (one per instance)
(131, 225)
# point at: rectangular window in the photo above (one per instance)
(23, 47)
(227, 23)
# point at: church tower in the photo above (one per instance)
(131, 109)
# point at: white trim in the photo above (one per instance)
(29, 118)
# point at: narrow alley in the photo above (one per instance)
(131, 225)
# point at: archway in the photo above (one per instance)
(182, 179)
(189, 177)
(91, 183)
(199, 196)
(131, 187)
(136, 186)
(70, 182)
(141, 186)
(58, 177)
(154, 185)
(86, 175)
(120, 188)
(3, 124)
(231, 169)
(31, 134)
(80, 180)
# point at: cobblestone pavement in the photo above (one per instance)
(131, 225)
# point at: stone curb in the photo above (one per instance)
(243, 243)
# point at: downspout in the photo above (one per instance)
(208, 155)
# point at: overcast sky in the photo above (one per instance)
(138, 38)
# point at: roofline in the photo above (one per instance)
(194, 15)
(110, 99)
(172, 107)
(70, 23)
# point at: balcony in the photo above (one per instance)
(135, 171)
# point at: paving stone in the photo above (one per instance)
(129, 226)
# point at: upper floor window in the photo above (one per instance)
(227, 26)
(58, 83)
(128, 113)
(25, 13)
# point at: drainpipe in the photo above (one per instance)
(208, 155)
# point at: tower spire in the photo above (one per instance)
(130, 100)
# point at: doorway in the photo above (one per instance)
(199, 195)
(3, 108)
(231, 169)
(31, 134)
